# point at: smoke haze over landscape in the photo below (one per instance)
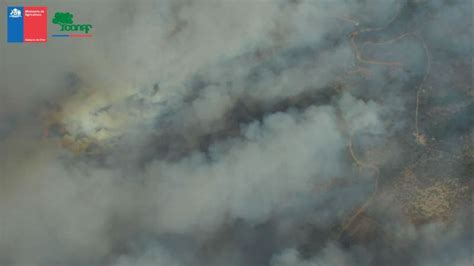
(241, 133)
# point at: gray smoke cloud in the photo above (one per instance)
(279, 133)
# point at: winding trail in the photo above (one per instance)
(420, 138)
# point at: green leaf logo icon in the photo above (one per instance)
(62, 18)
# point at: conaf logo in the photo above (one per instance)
(65, 21)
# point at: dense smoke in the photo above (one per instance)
(279, 133)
